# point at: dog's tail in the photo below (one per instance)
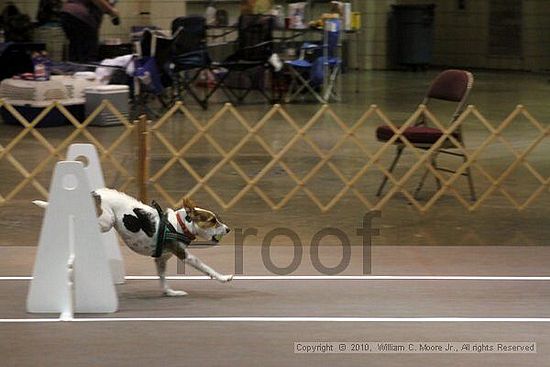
(40, 203)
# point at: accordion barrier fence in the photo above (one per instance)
(145, 139)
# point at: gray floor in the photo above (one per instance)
(236, 340)
(447, 241)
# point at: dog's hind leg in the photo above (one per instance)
(161, 270)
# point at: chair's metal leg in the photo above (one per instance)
(421, 183)
(176, 84)
(233, 95)
(434, 163)
(290, 94)
(269, 93)
(205, 96)
(242, 96)
(269, 99)
(305, 83)
(425, 175)
(470, 181)
(299, 88)
(330, 85)
(220, 84)
(183, 85)
(392, 166)
(203, 102)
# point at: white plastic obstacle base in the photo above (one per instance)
(95, 178)
(71, 270)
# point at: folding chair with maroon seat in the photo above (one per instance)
(450, 85)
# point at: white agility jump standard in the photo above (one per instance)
(95, 178)
(71, 270)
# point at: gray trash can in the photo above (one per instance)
(413, 34)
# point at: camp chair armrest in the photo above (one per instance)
(224, 43)
(223, 34)
(190, 53)
(262, 44)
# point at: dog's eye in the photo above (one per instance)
(213, 221)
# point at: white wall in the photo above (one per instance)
(461, 36)
(161, 14)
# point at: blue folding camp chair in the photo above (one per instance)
(150, 80)
(317, 68)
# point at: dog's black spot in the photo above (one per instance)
(131, 223)
(141, 221)
(147, 221)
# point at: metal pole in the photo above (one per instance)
(143, 157)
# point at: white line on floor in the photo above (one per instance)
(328, 277)
(349, 277)
(286, 319)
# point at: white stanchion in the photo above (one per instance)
(70, 242)
(68, 313)
(95, 177)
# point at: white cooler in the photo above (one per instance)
(118, 95)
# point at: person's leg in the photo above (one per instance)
(67, 23)
(83, 39)
(92, 49)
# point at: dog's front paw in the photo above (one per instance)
(173, 293)
(225, 278)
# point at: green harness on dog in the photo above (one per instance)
(167, 232)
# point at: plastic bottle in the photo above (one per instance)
(40, 63)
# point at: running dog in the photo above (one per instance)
(139, 225)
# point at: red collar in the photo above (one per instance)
(184, 228)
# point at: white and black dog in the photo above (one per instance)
(138, 225)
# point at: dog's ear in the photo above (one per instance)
(189, 207)
(97, 201)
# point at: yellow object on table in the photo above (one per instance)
(255, 6)
(262, 6)
(320, 23)
(355, 20)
